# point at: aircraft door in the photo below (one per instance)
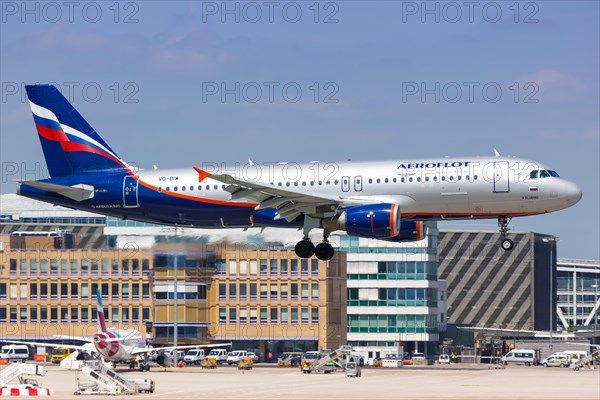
(501, 175)
(358, 183)
(130, 192)
(345, 183)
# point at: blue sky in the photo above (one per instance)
(144, 74)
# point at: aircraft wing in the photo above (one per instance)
(288, 203)
(85, 347)
(143, 350)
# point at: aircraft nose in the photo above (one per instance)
(572, 193)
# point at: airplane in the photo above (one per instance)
(385, 200)
(119, 346)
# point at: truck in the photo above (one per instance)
(59, 354)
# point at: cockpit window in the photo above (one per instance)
(543, 174)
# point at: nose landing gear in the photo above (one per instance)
(506, 243)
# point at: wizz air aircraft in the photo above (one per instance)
(385, 200)
(119, 346)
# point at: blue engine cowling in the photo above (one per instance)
(376, 221)
(410, 231)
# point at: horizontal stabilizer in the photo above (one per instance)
(76, 192)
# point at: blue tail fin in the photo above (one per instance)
(70, 144)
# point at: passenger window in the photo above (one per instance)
(378, 180)
(207, 187)
(435, 178)
(336, 182)
(426, 179)
(386, 180)
(419, 179)
(168, 188)
(278, 183)
(370, 180)
(410, 179)
(287, 184)
(467, 177)
(159, 189)
(303, 183)
(216, 187)
(451, 178)
(320, 183)
(199, 187)
(459, 178)
(443, 178)
(394, 180)
(312, 183)
(474, 177)
(295, 183)
(402, 180)
(175, 188)
(183, 188)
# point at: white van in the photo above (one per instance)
(576, 356)
(15, 352)
(220, 355)
(527, 357)
(194, 356)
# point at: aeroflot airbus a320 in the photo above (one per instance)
(385, 200)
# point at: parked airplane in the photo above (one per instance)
(386, 200)
(119, 345)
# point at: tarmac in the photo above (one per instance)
(458, 381)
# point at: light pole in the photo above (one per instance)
(552, 240)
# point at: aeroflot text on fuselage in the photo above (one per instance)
(434, 165)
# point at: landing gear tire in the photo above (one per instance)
(507, 244)
(305, 249)
(324, 251)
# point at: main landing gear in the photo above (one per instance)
(506, 243)
(306, 249)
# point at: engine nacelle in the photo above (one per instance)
(376, 221)
(164, 360)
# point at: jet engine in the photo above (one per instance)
(164, 360)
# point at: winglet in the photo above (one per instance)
(496, 153)
(100, 311)
(202, 174)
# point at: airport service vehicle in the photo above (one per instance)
(15, 352)
(444, 359)
(352, 370)
(119, 346)
(418, 357)
(234, 356)
(289, 360)
(557, 360)
(385, 200)
(193, 356)
(59, 354)
(576, 356)
(220, 355)
(518, 356)
(253, 356)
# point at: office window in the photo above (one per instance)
(84, 315)
(53, 267)
(64, 268)
(146, 291)
(104, 289)
(33, 269)
(64, 314)
(2, 314)
(43, 291)
(43, 315)
(263, 292)
(253, 315)
(13, 290)
(284, 315)
(135, 315)
(114, 267)
(284, 291)
(294, 267)
(315, 291)
(232, 291)
(221, 266)
(232, 315)
(44, 266)
(33, 291)
(222, 291)
(263, 267)
(243, 291)
(145, 313)
(274, 292)
(263, 315)
(85, 291)
(145, 267)
(74, 315)
(304, 267)
(125, 291)
(315, 315)
(84, 267)
(283, 267)
(273, 267)
(33, 315)
(222, 315)
(232, 267)
(125, 315)
(253, 291)
(115, 291)
(304, 291)
(74, 291)
(125, 267)
(314, 267)
(54, 290)
(253, 267)
(243, 316)
(294, 290)
(274, 318)
(135, 292)
(135, 267)
(23, 291)
(74, 268)
(243, 267)
(114, 315)
(53, 315)
(304, 315)
(23, 315)
(13, 314)
(294, 315)
(13, 267)
(104, 267)
(2, 291)
(93, 290)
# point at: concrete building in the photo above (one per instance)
(578, 291)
